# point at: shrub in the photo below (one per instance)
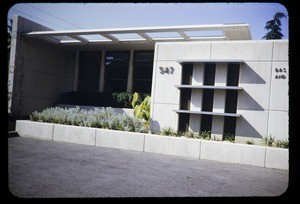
(249, 142)
(206, 135)
(141, 109)
(268, 140)
(282, 143)
(105, 118)
(167, 131)
(229, 137)
(122, 100)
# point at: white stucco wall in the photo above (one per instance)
(263, 102)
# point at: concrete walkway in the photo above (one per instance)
(39, 168)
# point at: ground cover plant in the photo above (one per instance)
(105, 118)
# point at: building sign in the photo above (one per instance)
(280, 73)
(166, 70)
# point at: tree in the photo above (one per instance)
(273, 27)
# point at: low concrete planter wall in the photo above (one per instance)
(277, 158)
(120, 139)
(193, 148)
(37, 130)
(233, 153)
(172, 146)
(74, 134)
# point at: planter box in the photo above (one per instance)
(277, 158)
(172, 146)
(233, 153)
(193, 148)
(74, 134)
(120, 139)
(38, 130)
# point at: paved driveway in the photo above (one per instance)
(39, 168)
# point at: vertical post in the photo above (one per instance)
(76, 72)
(130, 72)
(102, 69)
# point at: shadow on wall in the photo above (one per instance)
(249, 76)
(154, 125)
(246, 129)
(246, 101)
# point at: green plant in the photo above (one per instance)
(105, 118)
(249, 142)
(178, 133)
(206, 135)
(282, 143)
(168, 131)
(122, 99)
(229, 137)
(191, 134)
(268, 140)
(141, 109)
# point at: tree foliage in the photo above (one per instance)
(274, 27)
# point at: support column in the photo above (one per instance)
(130, 72)
(76, 72)
(102, 72)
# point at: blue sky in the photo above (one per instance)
(67, 16)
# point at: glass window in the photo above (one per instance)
(89, 71)
(116, 71)
(142, 71)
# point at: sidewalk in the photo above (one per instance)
(39, 168)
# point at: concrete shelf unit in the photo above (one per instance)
(209, 92)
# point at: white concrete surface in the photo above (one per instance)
(217, 127)
(281, 50)
(247, 50)
(279, 93)
(163, 116)
(120, 139)
(36, 130)
(198, 74)
(172, 146)
(187, 50)
(278, 124)
(252, 123)
(277, 158)
(233, 153)
(74, 134)
(186, 147)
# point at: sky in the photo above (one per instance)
(74, 16)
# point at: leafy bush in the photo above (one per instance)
(249, 142)
(268, 140)
(282, 143)
(206, 135)
(168, 131)
(116, 99)
(105, 118)
(122, 100)
(141, 109)
(229, 137)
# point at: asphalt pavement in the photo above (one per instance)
(49, 169)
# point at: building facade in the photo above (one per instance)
(225, 84)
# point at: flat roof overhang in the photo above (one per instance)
(110, 36)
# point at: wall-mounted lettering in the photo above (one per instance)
(166, 70)
(280, 73)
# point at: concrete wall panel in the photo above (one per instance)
(184, 50)
(281, 50)
(120, 139)
(74, 134)
(279, 124)
(164, 91)
(227, 152)
(277, 158)
(252, 123)
(246, 50)
(279, 96)
(34, 130)
(163, 116)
